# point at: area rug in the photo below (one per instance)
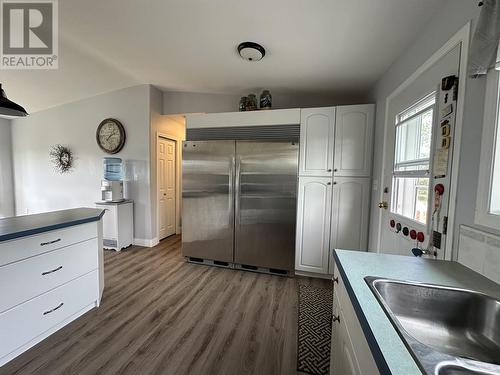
(315, 325)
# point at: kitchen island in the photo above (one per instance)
(51, 272)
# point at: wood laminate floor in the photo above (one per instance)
(161, 315)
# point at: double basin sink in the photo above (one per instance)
(448, 331)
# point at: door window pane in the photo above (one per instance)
(410, 181)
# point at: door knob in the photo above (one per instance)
(383, 205)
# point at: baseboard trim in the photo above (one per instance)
(146, 243)
(315, 275)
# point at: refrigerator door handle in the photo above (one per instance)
(232, 168)
(237, 186)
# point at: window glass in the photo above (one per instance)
(410, 181)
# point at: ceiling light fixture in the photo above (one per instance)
(9, 108)
(251, 51)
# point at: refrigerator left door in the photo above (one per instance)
(208, 200)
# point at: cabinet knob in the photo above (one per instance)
(335, 182)
(336, 318)
(336, 280)
(328, 183)
(329, 170)
(335, 170)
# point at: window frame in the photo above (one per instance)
(491, 127)
(424, 173)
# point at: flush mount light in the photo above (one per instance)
(9, 108)
(251, 51)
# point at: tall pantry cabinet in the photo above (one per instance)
(334, 183)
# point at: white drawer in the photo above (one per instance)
(25, 247)
(25, 322)
(21, 281)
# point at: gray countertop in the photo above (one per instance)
(388, 349)
(21, 226)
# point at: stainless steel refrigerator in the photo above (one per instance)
(239, 203)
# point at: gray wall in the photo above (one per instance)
(191, 102)
(39, 188)
(6, 177)
(453, 15)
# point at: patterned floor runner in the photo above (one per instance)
(314, 331)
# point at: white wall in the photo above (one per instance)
(453, 15)
(191, 102)
(39, 188)
(6, 176)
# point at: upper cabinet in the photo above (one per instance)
(317, 133)
(354, 140)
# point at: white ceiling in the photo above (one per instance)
(313, 46)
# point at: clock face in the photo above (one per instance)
(110, 136)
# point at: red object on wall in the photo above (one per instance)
(420, 237)
(439, 189)
(392, 223)
(413, 234)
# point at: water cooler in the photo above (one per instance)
(118, 220)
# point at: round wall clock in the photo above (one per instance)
(110, 135)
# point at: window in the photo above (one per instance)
(488, 194)
(410, 176)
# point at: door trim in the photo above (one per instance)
(460, 38)
(178, 185)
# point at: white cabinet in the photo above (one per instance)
(317, 130)
(350, 354)
(313, 224)
(354, 140)
(350, 213)
(117, 224)
(335, 148)
(55, 277)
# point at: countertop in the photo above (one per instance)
(388, 349)
(21, 226)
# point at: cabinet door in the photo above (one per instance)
(313, 224)
(350, 213)
(354, 140)
(317, 130)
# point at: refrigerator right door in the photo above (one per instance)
(266, 204)
(208, 200)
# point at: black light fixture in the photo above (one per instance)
(251, 51)
(9, 108)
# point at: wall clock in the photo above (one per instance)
(110, 135)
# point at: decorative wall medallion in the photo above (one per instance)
(62, 157)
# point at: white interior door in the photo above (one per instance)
(406, 190)
(166, 187)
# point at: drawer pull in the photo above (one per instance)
(336, 318)
(336, 279)
(54, 309)
(50, 242)
(51, 271)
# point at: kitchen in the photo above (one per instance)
(339, 218)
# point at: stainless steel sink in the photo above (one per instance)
(449, 331)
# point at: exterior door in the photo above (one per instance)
(414, 116)
(313, 224)
(166, 187)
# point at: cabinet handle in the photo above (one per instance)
(51, 271)
(328, 183)
(335, 170)
(335, 182)
(336, 318)
(50, 242)
(329, 170)
(336, 279)
(54, 309)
